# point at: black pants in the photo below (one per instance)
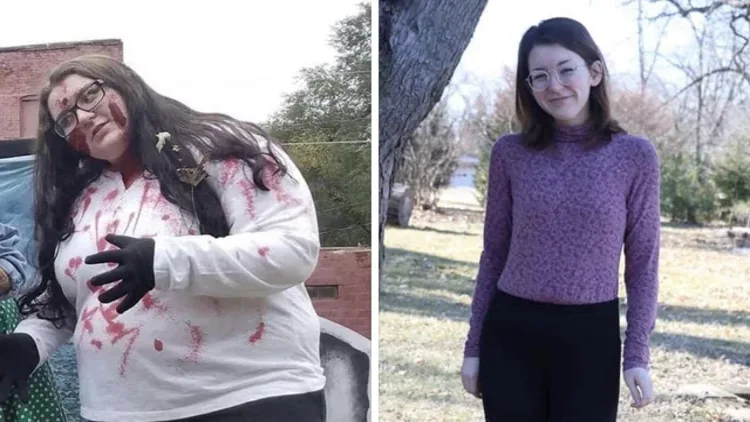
(308, 407)
(542, 362)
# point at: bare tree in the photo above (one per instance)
(643, 113)
(734, 15)
(421, 43)
(646, 69)
(430, 155)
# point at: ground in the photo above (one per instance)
(702, 334)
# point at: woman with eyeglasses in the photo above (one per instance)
(564, 197)
(173, 247)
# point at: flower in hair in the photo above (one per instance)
(161, 139)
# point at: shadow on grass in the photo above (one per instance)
(398, 252)
(409, 303)
(416, 284)
(736, 352)
(425, 271)
(677, 313)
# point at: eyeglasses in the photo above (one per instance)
(87, 100)
(539, 80)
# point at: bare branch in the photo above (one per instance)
(700, 79)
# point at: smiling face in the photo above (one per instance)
(93, 118)
(566, 102)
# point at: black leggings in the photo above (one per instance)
(542, 362)
(308, 407)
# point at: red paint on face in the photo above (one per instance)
(117, 114)
(264, 251)
(97, 344)
(258, 334)
(77, 140)
(158, 345)
(65, 102)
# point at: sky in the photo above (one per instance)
(613, 27)
(233, 57)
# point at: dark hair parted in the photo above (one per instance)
(538, 127)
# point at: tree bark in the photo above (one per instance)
(421, 43)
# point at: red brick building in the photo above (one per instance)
(22, 73)
(340, 285)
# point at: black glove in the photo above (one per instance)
(136, 270)
(18, 359)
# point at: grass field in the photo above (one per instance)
(702, 334)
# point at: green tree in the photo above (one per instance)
(732, 175)
(494, 115)
(325, 127)
(684, 196)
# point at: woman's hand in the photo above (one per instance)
(639, 382)
(470, 376)
(136, 270)
(19, 359)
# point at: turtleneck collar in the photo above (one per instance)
(574, 133)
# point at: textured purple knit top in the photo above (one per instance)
(557, 221)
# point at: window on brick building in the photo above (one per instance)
(323, 292)
(29, 116)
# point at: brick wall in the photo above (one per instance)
(345, 273)
(23, 70)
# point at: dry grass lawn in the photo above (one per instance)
(702, 334)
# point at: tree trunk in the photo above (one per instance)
(400, 205)
(421, 43)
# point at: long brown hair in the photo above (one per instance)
(62, 172)
(538, 127)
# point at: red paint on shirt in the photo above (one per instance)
(258, 334)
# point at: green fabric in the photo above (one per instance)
(44, 401)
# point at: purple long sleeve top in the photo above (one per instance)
(556, 223)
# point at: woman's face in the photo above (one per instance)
(562, 83)
(92, 118)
